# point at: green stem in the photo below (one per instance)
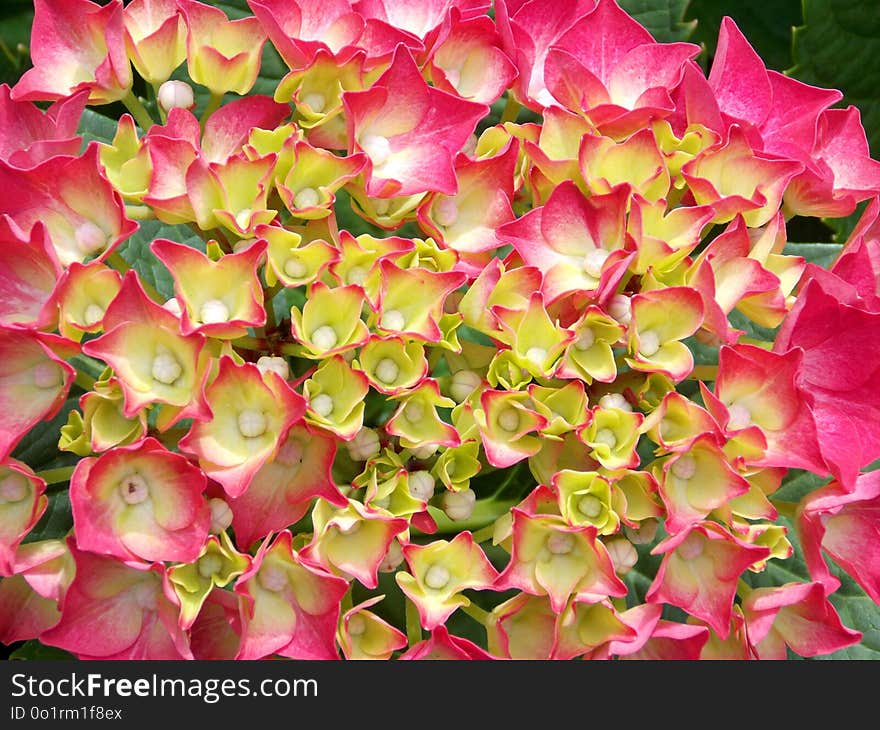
(511, 110)
(162, 115)
(486, 511)
(137, 109)
(704, 372)
(256, 344)
(139, 213)
(413, 624)
(484, 534)
(84, 380)
(476, 613)
(213, 104)
(56, 476)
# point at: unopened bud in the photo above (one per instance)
(393, 557)
(623, 554)
(644, 534)
(459, 505)
(277, 365)
(364, 445)
(221, 515)
(176, 95)
(464, 382)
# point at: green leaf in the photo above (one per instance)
(767, 26)
(56, 521)
(821, 254)
(94, 126)
(837, 47)
(664, 19)
(136, 251)
(39, 448)
(33, 649)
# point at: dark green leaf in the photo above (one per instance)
(837, 47)
(39, 448)
(35, 650)
(664, 19)
(56, 522)
(821, 254)
(136, 251)
(767, 25)
(94, 126)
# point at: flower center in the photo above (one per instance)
(294, 268)
(594, 261)
(585, 340)
(278, 365)
(134, 489)
(508, 420)
(272, 578)
(590, 506)
(48, 375)
(209, 565)
(615, 400)
(560, 543)
(387, 370)
(378, 149)
(89, 237)
(325, 337)
(251, 423)
(165, 368)
(414, 411)
(536, 355)
(306, 198)
(357, 625)
(290, 454)
(445, 212)
(684, 467)
(315, 101)
(243, 218)
(94, 313)
(393, 319)
(606, 436)
(13, 488)
(437, 577)
(322, 404)
(740, 417)
(214, 311)
(649, 343)
(356, 275)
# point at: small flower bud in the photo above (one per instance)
(277, 365)
(459, 505)
(464, 382)
(622, 553)
(421, 485)
(176, 95)
(364, 445)
(392, 559)
(615, 400)
(221, 515)
(645, 533)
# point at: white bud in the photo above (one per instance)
(590, 506)
(357, 625)
(619, 308)
(214, 311)
(425, 451)
(464, 382)
(166, 369)
(560, 543)
(378, 148)
(615, 400)
(393, 558)
(325, 337)
(13, 488)
(393, 319)
(649, 343)
(387, 370)
(173, 306)
(221, 515)
(414, 411)
(437, 577)
(295, 268)
(644, 534)
(48, 375)
(459, 505)
(585, 340)
(210, 565)
(606, 436)
(364, 445)
(176, 95)
(622, 553)
(356, 275)
(421, 485)
(306, 198)
(316, 101)
(536, 355)
(251, 423)
(322, 404)
(508, 420)
(94, 313)
(270, 363)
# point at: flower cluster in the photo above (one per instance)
(534, 396)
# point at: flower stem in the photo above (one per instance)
(511, 110)
(56, 476)
(137, 109)
(413, 624)
(476, 613)
(256, 344)
(486, 511)
(484, 534)
(704, 372)
(84, 380)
